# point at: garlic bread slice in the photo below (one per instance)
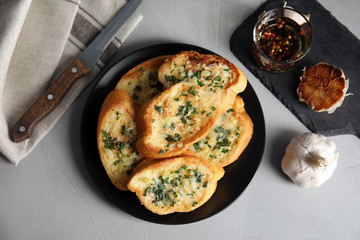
(208, 70)
(116, 137)
(228, 138)
(179, 184)
(141, 82)
(175, 119)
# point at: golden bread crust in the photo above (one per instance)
(171, 122)
(199, 88)
(207, 70)
(179, 184)
(228, 138)
(141, 82)
(141, 118)
(116, 137)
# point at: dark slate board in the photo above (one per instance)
(333, 43)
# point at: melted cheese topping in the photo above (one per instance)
(118, 142)
(168, 187)
(181, 115)
(222, 138)
(215, 76)
(143, 88)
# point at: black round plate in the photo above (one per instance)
(237, 175)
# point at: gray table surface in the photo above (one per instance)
(50, 195)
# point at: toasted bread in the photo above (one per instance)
(208, 70)
(174, 120)
(141, 82)
(179, 184)
(183, 113)
(228, 138)
(116, 137)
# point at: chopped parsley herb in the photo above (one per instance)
(174, 138)
(183, 94)
(224, 150)
(185, 112)
(135, 97)
(218, 83)
(120, 146)
(180, 108)
(118, 115)
(207, 143)
(180, 170)
(208, 115)
(161, 195)
(117, 162)
(192, 91)
(108, 141)
(230, 110)
(175, 182)
(203, 112)
(198, 175)
(160, 109)
(147, 191)
(172, 126)
(154, 82)
(197, 146)
(153, 121)
(213, 108)
(123, 130)
(217, 79)
(176, 99)
(164, 190)
(161, 151)
(182, 111)
(200, 83)
(226, 70)
(142, 69)
(112, 144)
(222, 140)
(206, 184)
(137, 88)
(197, 74)
(183, 120)
(172, 79)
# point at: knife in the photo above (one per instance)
(77, 69)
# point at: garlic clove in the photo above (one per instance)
(310, 160)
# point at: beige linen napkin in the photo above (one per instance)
(38, 40)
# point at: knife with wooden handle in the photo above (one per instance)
(79, 68)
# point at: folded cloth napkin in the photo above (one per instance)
(38, 40)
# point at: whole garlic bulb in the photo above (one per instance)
(310, 160)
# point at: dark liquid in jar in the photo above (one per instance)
(280, 39)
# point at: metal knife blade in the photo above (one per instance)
(96, 48)
(80, 67)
